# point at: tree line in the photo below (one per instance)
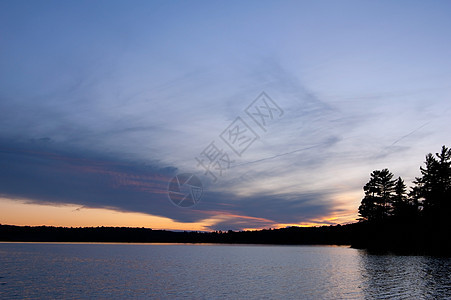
(394, 218)
(428, 200)
(325, 235)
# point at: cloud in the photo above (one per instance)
(123, 157)
(43, 172)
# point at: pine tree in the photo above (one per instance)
(376, 205)
(399, 200)
(434, 186)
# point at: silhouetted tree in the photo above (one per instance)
(415, 195)
(376, 205)
(405, 207)
(399, 200)
(433, 188)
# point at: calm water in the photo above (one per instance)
(216, 271)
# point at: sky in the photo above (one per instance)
(280, 109)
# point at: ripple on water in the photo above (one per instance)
(216, 272)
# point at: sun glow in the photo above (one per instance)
(22, 212)
(25, 212)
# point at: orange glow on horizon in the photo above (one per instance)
(20, 212)
(24, 213)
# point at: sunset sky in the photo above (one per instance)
(102, 103)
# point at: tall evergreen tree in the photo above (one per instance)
(399, 200)
(376, 205)
(434, 186)
(405, 207)
(387, 188)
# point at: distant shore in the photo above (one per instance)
(377, 239)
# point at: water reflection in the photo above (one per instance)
(63, 271)
(418, 277)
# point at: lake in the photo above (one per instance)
(35, 270)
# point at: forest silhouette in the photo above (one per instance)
(391, 219)
(417, 220)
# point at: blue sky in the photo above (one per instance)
(103, 102)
